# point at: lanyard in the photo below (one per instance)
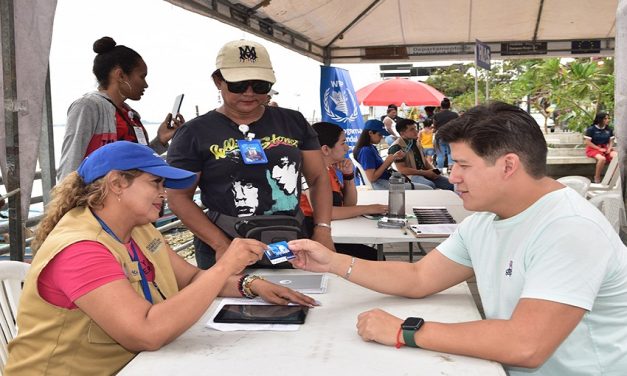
(134, 258)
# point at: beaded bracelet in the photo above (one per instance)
(246, 285)
(240, 286)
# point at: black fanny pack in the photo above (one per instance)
(265, 228)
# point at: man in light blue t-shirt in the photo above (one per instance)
(551, 271)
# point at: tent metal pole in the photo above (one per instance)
(46, 145)
(9, 77)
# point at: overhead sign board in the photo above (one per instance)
(452, 49)
(585, 47)
(482, 55)
(523, 48)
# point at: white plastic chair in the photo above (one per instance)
(612, 206)
(362, 172)
(610, 181)
(579, 183)
(12, 274)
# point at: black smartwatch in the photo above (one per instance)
(410, 326)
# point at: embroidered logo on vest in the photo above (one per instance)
(247, 53)
(154, 245)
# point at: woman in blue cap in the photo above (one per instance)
(104, 284)
(366, 153)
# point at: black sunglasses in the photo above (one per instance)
(259, 87)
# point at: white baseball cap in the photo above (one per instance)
(242, 60)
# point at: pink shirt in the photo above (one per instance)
(83, 267)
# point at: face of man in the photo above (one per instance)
(285, 175)
(411, 133)
(246, 198)
(478, 183)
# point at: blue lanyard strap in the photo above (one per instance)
(134, 257)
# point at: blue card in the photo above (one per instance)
(278, 252)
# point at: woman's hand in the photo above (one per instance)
(276, 294)
(240, 254)
(374, 209)
(345, 166)
(165, 132)
(378, 326)
(311, 256)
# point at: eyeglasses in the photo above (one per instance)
(259, 87)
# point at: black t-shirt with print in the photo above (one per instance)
(208, 144)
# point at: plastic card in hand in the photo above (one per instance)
(278, 252)
(262, 314)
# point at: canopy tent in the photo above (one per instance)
(340, 31)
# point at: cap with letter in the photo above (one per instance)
(242, 60)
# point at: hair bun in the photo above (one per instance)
(104, 44)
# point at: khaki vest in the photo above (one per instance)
(409, 155)
(57, 341)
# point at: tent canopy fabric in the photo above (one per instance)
(340, 31)
(399, 91)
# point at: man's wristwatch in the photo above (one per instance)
(410, 326)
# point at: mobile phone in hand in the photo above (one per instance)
(178, 101)
(437, 171)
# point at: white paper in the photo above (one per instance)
(434, 229)
(228, 327)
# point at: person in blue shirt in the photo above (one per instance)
(599, 139)
(366, 153)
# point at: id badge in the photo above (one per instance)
(252, 152)
(141, 137)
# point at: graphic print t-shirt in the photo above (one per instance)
(208, 144)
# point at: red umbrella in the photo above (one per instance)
(398, 91)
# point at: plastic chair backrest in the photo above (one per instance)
(611, 174)
(12, 275)
(612, 206)
(579, 183)
(362, 172)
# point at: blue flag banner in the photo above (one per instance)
(339, 102)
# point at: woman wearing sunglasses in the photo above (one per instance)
(102, 116)
(210, 145)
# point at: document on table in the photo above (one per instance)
(223, 327)
(433, 230)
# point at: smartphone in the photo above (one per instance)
(178, 101)
(437, 171)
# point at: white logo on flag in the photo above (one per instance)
(338, 103)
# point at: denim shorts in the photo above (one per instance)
(429, 152)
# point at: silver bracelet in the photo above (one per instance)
(326, 225)
(350, 269)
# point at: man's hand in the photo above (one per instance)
(378, 326)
